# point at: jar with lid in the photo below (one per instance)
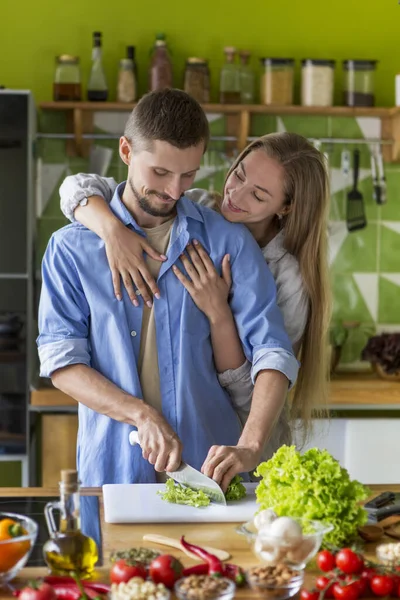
(358, 85)
(197, 79)
(127, 85)
(277, 81)
(317, 77)
(160, 72)
(67, 79)
(229, 85)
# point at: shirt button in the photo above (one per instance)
(133, 333)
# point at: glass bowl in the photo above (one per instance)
(227, 594)
(15, 552)
(389, 554)
(269, 589)
(295, 552)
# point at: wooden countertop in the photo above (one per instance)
(348, 391)
(125, 536)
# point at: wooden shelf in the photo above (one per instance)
(327, 111)
(80, 120)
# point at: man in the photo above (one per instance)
(151, 368)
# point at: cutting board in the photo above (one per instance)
(140, 503)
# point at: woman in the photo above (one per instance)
(278, 188)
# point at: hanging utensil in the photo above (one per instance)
(375, 183)
(382, 178)
(356, 218)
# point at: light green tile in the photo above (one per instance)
(52, 121)
(390, 251)
(389, 302)
(345, 127)
(310, 126)
(358, 252)
(52, 150)
(337, 206)
(262, 124)
(391, 210)
(348, 304)
(45, 228)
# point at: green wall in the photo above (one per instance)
(34, 32)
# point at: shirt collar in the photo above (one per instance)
(185, 208)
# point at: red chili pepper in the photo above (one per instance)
(201, 569)
(101, 588)
(215, 566)
(235, 573)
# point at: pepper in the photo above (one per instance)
(68, 590)
(215, 566)
(101, 588)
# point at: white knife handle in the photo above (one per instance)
(134, 438)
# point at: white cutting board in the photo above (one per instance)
(140, 503)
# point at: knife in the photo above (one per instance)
(187, 475)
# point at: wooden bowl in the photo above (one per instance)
(383, 375)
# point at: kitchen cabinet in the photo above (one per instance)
(58, 446)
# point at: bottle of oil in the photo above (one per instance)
(68, 550)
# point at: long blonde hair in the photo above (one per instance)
(306, 188)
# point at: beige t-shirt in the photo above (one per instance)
(149, 375)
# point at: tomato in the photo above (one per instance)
(166, 569)
(382, 585)
(326, 561)
(367, 573)
(349, 591)
(349, 562)
(309, 595)
(361, 582)
(122, 571)
(325, 584)
(43, 591)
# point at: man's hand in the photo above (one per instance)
(224, 462)
(159, 442)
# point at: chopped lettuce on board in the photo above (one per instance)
(180, 494)
(314, 486)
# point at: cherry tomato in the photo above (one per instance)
(349, 591)
(43, 591)
(361, 582)
(309, 595)
(382, 585)
(122, 571)
(326, 561)
(325, 584)
(349, 562)
(367, 573)
(166, 569)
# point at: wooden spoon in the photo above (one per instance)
(173, 543)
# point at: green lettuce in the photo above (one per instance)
(180, 494)
(313, 486)
(236, 489)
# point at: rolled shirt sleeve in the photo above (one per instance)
(76, 189)
(63, 313)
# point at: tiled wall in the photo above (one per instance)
(365, 265)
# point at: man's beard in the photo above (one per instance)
(145, 202)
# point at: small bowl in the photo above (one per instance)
(272, 550)
(14, 553)
(227, 594)
(280, 592)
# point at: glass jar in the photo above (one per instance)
(67, 79)
(160, 72)
(126, 88)
(277, 81)
(358, 85)
(247, 78)
(229, 83)
(317, 82)
(197, 79)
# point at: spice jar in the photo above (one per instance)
(126, 88)
(67, 79)
(229, 82)
(160, 72)
(358, 85)
(197, 79)
(317, 82)
(277, 81)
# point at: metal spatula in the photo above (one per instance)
(356, 218)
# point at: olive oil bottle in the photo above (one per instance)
(68, 550)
